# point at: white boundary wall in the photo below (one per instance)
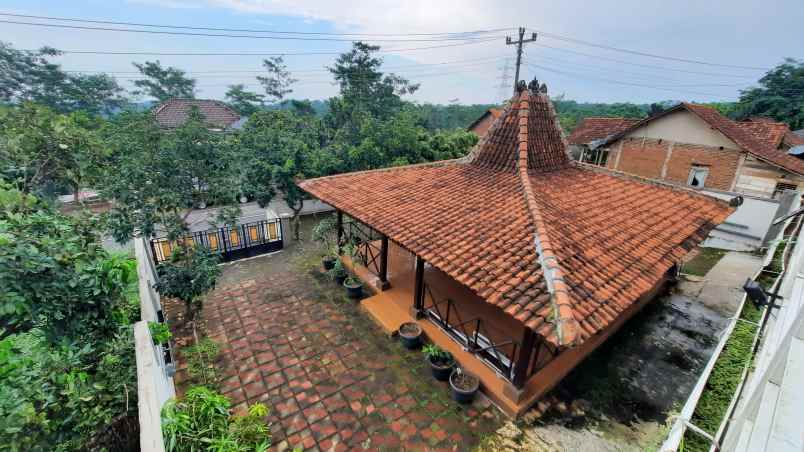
(154, 382)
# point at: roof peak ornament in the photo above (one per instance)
(521, 86)
(535, 87)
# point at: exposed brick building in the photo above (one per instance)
(697, 146)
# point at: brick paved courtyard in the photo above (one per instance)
(290, 339)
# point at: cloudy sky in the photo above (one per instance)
(602, 51)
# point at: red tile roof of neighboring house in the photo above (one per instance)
(494, 112)
(563, 248)
(595, 128)
(759, 138)
(173, 112)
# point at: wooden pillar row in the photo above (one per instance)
(418, 290)
(384, 284)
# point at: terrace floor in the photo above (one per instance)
(332, 379)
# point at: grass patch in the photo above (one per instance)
(704, 261)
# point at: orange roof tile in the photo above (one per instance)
(560, 247)
(595, 128)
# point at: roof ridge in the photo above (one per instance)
(389, 169)
(566, 326)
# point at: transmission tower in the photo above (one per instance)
(503, 89)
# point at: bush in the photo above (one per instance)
(191, 272)
(201, 363)
(202, 421)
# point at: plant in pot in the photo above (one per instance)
(161, 335)
(464, 385)
(354, 287)
(411, 335)
(325, 234)
(338, 272)
(441, 361)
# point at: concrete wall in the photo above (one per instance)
(154, 378)
(746, 228)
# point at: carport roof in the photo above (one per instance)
(563, 248)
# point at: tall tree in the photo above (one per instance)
(244, 102)
(277, 81)
(31, 76)
(163, 83)
(39, 147)
(780, 95)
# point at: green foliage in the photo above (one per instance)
(163, 83)
(160, 332)
(54, 274)
(780, 95)
(338, 271)
(201, 362)
(436, 354)
(448, 117)
(570, 112)
(244, 102)
(39, 147)
(277, 82)
(352, 281)
(202, 421)
(190, 273)
(325, 233)
(31, 76)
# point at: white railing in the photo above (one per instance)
(682, 421)
(154, 376)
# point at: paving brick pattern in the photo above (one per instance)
(332, 379)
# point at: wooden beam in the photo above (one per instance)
(340, 230)
(418, 291)
(384, 285)
(523, 359)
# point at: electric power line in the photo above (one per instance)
(246, 30)
(223, 35)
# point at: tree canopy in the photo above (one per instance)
(780, 95)
(163, 83)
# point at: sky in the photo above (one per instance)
(591, 51)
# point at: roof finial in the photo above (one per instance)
(533, 86)
(543, 89)
(520, 86)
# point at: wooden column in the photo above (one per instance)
(418, 290)
(523, 359)
(340, 230)
(384, 285)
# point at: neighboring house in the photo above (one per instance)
(585, 136)
(516, 259)
(695, 145)
(482, 124)
(219, 116)
(800, 133)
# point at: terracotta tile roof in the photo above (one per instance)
(172, 113)
(560, 247)
(595, 128)
(494, 112)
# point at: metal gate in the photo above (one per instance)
(231, 243)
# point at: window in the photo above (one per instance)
(782, 187)
(697, 176)
(597, 156)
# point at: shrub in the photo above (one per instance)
(201, 362)
(160, 332)
(202, 421)
(190, 273)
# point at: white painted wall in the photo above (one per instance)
(746, 227)
(683, 126)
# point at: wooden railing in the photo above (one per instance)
(364, 240)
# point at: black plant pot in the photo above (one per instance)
(353, 291)
(460, 392)
(340, 279)
(411, 335)
(441, 369)
(329, 262)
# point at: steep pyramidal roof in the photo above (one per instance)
(561, 248)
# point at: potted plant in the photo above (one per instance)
(411, 334)
(324, 233)
(441, 361)
(160, 333)
(354, 287)
(464, 385)
(338, 272)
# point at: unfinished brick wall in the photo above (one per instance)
(722, 164)
(649, 159)
(644, 159)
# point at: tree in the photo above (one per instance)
(188, 275)
(163, 83)
(155, 176)
(278, 80)
(30, 76)
(244, 102)
(780, 95)
(39, 147)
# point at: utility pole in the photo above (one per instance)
(519, 43)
